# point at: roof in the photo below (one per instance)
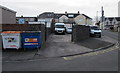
(58, 15)
(86, 16)
(111, 18)
(7, 9)
(46, 15)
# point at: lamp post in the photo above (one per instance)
(102, 17)
(97, 16)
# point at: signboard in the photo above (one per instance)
(22, 21)
(31, 41)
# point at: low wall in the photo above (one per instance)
(80, 32)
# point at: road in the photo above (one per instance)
(96, 62)
(105, 60)
(113, 35)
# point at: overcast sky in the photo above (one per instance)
(88, 7)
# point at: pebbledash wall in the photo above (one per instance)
(7, 16)
(80, 32)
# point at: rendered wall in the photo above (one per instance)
(8, 17)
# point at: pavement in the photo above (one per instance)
(58, 46)
(18, 55)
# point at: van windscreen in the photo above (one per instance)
(59, 26)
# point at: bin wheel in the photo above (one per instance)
(4, 49)
(24, 49)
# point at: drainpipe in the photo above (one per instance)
(85, 20)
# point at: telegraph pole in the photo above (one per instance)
(102, 17)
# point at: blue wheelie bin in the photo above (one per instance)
(31, 39)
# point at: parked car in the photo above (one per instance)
(69, 30)
(59, 28)
(95, 31)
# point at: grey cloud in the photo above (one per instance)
(32, 8)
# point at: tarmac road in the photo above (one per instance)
(113, 35)
(107, 61)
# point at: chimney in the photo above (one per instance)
(65, 12)
(78, 12)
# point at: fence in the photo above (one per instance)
(80, 32)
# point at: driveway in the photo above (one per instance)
(61, 45)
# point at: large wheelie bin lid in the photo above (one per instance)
(10, 32)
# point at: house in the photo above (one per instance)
(71, 17)
(67, 18)
(111, 22)
(47, 18)
(83, 19)
(75, 18)
(63, 18)
(7, 16)
(25, 20)
(57, 16)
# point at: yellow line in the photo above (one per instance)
(91, 54)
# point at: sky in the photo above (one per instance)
(92, 8)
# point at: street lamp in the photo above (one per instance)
(102, 17)
(97, 16)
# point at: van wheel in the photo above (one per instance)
(99, 36)
(55, 33)
(64, 33)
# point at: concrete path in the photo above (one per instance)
(61, 45)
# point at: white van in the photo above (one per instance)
(95, 31)
(59, 28)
